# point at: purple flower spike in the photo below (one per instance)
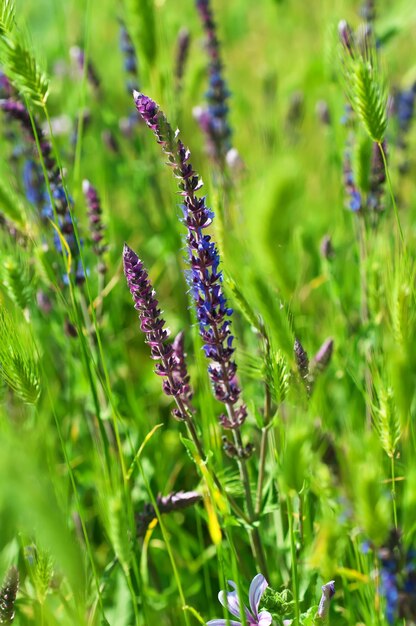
(78, 56)
(354, 201)
(204, 277)
(180, 372)
(130, 58)
(231, 602)
(322, 358)
(6, 88)
(153, 326)
(182, 51)
(346, 37)
(377, 178)
(16, 110)
(96, 224)
(214, 122)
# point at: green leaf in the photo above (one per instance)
(190, 447)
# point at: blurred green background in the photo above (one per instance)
(67, 514)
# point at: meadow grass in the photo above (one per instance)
(294, 457)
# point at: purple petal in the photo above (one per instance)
(257, 588)
(230, 599)
(264, 618)
(223, 622)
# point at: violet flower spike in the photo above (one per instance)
(214, 119)
(323, 357)
(346, 37)
(354, 201)
(180, 372)
(129, 58)
(6, 88)
(78, 56)
(231, 602)
(182, 52)
(96, 224)
(153, 326)
(62, 203)
(205, 278)
(377, 178)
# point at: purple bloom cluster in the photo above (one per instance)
(368, 11)
(377, 179)
(302, 360)
(6, 88)
(373, 200)
(130, 58)
(62, 203)
(213, 120)
(404, 103)
(180, 372)
(398, 579)
(354, 200)
(96, 224)
(323, 356)
(34, 184)
(346, 36)
(182, 50)
(205, 278)
(171, 364)
(78, 55)
(404, 109)
(131, 67)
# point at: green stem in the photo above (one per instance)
(295, 579)
(255, 540)
(393, 489)
(264, 435)
(166, 540)
(390, 187)
(262, 464)
(233, 504)
(139, 618)
(365, 314)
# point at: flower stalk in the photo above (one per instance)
(205, 280)
(171, 357)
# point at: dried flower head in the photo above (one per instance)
(176, 501)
